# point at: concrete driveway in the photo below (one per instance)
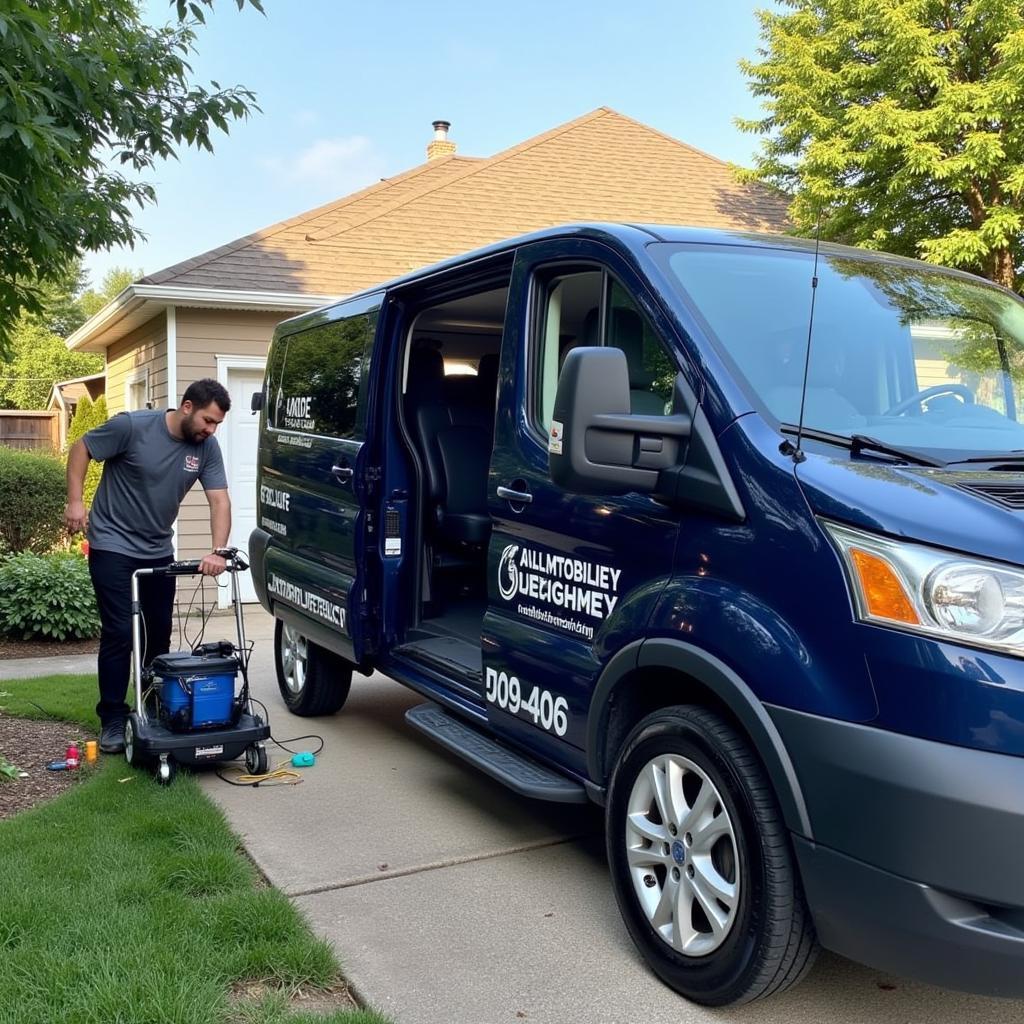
(450, 900)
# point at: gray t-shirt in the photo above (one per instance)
(148, 472)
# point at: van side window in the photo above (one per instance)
(322, 386)
(590, 308)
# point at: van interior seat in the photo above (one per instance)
(471, 399)
(462, 515)
(456, 452)
(427, 415)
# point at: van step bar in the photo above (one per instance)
(518, 771)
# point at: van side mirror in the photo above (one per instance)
(257, 401)
(596, 445)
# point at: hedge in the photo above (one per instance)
(32, 498)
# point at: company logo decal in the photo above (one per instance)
(557, 589)
(297, 413)
(315, 604)
(271, 497)
(191, 463)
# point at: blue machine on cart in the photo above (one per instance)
(193, 707)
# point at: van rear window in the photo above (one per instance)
(321, 388)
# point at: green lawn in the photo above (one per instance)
(131, 903)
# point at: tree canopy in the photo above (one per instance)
(900, 123)
(38, 355)
(87, 87)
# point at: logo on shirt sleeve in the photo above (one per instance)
(191, 463)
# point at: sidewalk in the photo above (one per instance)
(450, 900)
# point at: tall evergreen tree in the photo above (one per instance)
(900, 123)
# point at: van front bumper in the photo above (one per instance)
(916, 864)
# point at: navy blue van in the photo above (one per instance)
(713, 529)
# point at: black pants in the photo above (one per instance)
(111, 574)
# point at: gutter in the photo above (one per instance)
(160, 296)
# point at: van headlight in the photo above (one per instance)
(927, 590)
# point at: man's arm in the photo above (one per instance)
(78, 463)
(220, 528)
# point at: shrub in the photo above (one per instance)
(88, 414)
(32, 495)
(47, 596)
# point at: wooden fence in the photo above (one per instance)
(23, 428)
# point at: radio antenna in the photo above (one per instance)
(798, 455)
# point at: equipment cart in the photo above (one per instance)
(189, 708)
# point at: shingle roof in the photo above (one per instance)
(601, 167)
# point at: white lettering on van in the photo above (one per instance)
(571, 585)
(305, 600)
(297, 413)
(273, 498)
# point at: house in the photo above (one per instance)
(213, 315)
(64, 398)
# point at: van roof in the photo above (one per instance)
(631, 237)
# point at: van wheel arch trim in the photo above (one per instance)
(727, 686)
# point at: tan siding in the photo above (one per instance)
(194, 538)
(204, 334)
(144, 348)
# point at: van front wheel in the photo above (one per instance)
(701, 861)
(313, 681)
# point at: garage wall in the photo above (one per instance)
(142, 351)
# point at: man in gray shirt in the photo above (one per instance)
(152, 458)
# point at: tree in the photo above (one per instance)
(88, 414)
(114, 282)
(901, 123)
(81, 83)
(39, 359)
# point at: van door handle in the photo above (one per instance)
(343, 474)
(519, 497)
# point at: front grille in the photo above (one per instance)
(1007, 495)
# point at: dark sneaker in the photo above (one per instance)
(112, 737)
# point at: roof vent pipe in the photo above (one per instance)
(440, 146)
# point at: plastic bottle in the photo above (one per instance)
(72, 756)
(90, 751)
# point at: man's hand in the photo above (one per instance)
(213, 564)
(75, 517)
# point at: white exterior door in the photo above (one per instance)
(239, 438)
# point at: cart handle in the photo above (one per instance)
(190, 567)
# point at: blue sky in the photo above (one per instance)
(349, 90)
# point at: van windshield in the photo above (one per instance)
(909, 356)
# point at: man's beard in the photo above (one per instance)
(191, 434)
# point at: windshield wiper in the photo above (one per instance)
(862, 443)
(1013, 458)
(858, 443)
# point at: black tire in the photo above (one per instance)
(131, 746)
(765, 940)
(323, 685)
(256, 759)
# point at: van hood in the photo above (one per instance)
(976, 512)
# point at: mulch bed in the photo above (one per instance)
(30, 746)
(45, 648)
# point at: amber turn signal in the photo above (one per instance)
(884, 596)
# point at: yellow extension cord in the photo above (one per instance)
(284, 776)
